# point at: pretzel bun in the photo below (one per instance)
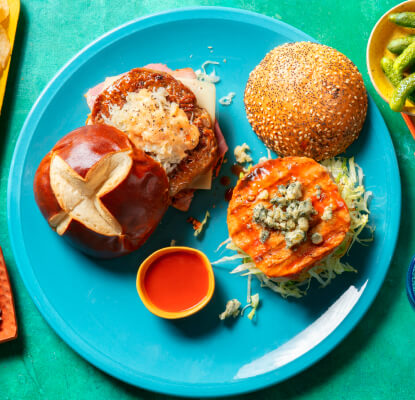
(97, 191)
(306, 99)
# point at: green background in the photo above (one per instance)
(376, 361)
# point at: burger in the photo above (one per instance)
(150, 141)
(306, 99)
(170, 115)
(291, 219)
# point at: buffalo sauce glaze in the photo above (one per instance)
(236, 169)
(176, 281)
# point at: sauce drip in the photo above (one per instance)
(237, 169)
(225, 180)
(176, 281)
(228, 194)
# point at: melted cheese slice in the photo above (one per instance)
(205, 93)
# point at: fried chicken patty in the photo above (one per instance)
(328, 218)
(199, 159)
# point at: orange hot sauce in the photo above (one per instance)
(176, 281)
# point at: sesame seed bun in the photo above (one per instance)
(306, 99)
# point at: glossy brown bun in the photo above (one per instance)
(97, 191)
(306, 99)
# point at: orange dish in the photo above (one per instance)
(175, 282)
(287, 214)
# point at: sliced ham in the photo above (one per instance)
(222, 146)
(183, 199)
(159, 67)
(178, 73)
(94, 92)
(184, 73)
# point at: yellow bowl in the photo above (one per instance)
(11, 25)
(383, 32)
(179, 314)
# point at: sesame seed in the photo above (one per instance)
(339, 101)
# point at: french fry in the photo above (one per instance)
(4, 48)
(4, 10)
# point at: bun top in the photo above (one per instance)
(306, 99)
(98, 191)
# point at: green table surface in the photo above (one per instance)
(376, 361)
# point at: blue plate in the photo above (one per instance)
(93, 305)
(410, 283)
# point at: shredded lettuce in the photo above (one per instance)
(199, 230)
(349, 179)
(253, 303)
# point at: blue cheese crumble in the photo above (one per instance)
(232, 309)
(316, 238)
(327, 213)
(241, 155)
(288, 214)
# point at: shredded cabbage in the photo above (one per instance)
(199, 230)
(349, 179)
(227, 100)
(203, 76)
(253, 303)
